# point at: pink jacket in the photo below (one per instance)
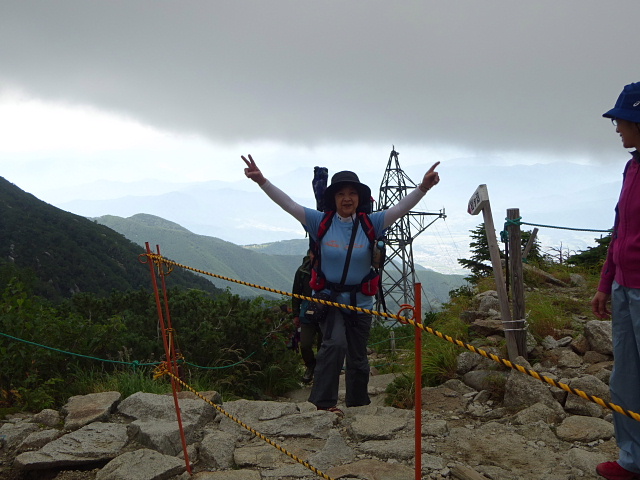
(623, 257)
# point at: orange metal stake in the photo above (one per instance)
(168, 342)
(417, 317)
(173, 352)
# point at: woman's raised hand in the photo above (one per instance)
(430, 178)
(253, 172)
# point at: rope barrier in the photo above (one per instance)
(163, 370)
(507, 363)
(516, 221)
(135, 363)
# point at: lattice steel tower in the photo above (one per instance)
(399, 276)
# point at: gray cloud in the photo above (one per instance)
(487, 76)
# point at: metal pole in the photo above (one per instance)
(417, 317)
(168, 346)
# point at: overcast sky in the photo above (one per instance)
(178, 90)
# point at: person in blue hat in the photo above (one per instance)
(346, 257)
(620, 284)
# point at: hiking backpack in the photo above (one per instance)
(370, 284)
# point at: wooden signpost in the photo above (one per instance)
(479, 202)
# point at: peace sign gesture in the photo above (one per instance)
(252, 171)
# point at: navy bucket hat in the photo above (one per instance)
(628, 105)
(340, 180)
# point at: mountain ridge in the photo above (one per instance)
(270, 265)
(60, 253)
(210, 254)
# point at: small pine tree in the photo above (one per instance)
(480, 261)
(592, 256)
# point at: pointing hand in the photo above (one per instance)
(430, 178)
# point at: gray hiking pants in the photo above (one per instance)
(344, 335)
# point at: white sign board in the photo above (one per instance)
(479, 200)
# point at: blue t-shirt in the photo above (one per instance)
(334, 247)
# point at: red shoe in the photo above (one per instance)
(335, 410)
(613, 471)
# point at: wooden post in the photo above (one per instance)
(479, 202)
(532, 239)
(517, 282)
(392, 341)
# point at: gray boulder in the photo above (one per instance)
(376, 427)
(47, 417)
(82, 410)
(599, 335)
(143, 464)
(14, 433)
(39, 439)
(334, 452)
(216, 449)
(483, 379)
(91, 444)
(522, 390)
(151, 407)
(592, 386)
(163, 436)
(584, 429)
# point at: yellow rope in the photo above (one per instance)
(599, 401)
(162, 370)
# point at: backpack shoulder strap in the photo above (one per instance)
(367, 226)
(325, 223)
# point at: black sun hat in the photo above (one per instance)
(340, 180)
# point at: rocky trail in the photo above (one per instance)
(488, 423)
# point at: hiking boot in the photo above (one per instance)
(308, 375)
(613, 471)
(335, 410)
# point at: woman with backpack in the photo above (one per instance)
(343, 265)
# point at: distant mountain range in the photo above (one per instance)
(59, 254)
(237, 211)
(212, 255)
(271, 265)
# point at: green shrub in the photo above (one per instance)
(88, 344)
(401, 392)
(439, 361)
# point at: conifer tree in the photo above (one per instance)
(592, 256)
(480, 261)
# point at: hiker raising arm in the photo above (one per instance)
(343, 272)
(278, 196)
(406, 203)
(430, 179)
